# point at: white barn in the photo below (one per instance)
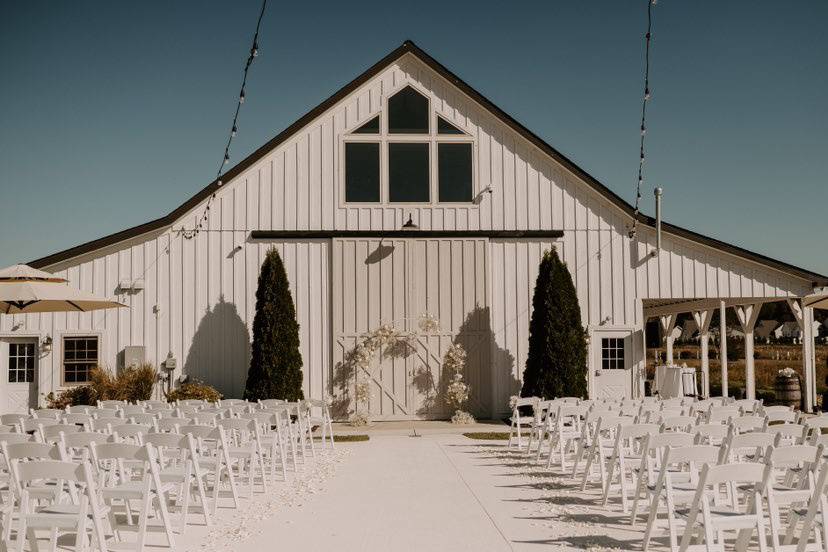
(332, 192)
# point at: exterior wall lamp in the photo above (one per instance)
(410, 224)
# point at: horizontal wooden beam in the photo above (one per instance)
(328, 234)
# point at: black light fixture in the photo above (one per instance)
(410, 225)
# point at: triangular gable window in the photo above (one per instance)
(445, 127)
(371, 127)
(408, 112)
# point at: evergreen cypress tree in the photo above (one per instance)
(275, 363)
(556, 365)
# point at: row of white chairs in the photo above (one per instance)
(86, 475)
(707, 470)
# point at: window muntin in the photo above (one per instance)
(612, 353)
(419, 182)
(454, 172)
(80, 355)
(21, 362)
(408, 112)
(362, 172)
(408, 172)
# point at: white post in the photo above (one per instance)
(723, 346)
(805, 320)
(703, 319)
(668, 322)
(748, 314)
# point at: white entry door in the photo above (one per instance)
(19, 389)
(396, 282)
(612, 366)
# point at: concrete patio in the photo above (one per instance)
(441, 491)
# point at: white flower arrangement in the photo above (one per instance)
(359, 419)
(429, 323)
(513, 401)
(787, 372)
(457, 391)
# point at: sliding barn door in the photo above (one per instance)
(397, 282)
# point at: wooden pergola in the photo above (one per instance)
(747, 311)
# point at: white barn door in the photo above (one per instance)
(19, 374)
(397, 281)
(612, 366)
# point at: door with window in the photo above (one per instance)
(612, 367)
(20, 375)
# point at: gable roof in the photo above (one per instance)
(408, 47)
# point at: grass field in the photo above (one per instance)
(768, 360)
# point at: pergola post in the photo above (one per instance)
(702, 319)
(668, 322)
(723, 346)
(805, 320)
(748, 314)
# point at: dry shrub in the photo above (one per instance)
(130, 384)
(193, 391)
(78, 395)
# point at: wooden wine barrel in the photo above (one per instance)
(788, 391)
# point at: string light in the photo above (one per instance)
(254, 52)
(647, 95)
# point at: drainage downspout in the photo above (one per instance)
(658, 193)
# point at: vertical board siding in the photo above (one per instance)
(198, 300)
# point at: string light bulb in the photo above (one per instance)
(643, 128)
(254, 52)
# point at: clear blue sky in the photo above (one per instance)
(113, 113)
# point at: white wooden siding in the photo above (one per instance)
(296, 186)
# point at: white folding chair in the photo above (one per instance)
(652, 454)
(675, 488)
(602, 444)
(814, 516)
(626, 456)
(58, 515)
(714, 513)
(790, 487)
(272, 440)
(746, 424)
(180, 466)
(520, 421)
(212, 450)
(128, 473)
(320, 415)
(245, 450)
(565, 430)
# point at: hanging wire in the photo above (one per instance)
(643, 129)
(234, 129)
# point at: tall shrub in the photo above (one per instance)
(276, 363)
(556, 364)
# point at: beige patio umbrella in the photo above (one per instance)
(816, 300)
(24, 289)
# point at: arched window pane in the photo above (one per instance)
(408, 112)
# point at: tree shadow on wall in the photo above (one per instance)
(489, 368)
(220, 351)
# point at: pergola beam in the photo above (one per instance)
(689, 305)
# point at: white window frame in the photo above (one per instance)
(384, 138)
(62, 358)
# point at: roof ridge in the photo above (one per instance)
(408, 46)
